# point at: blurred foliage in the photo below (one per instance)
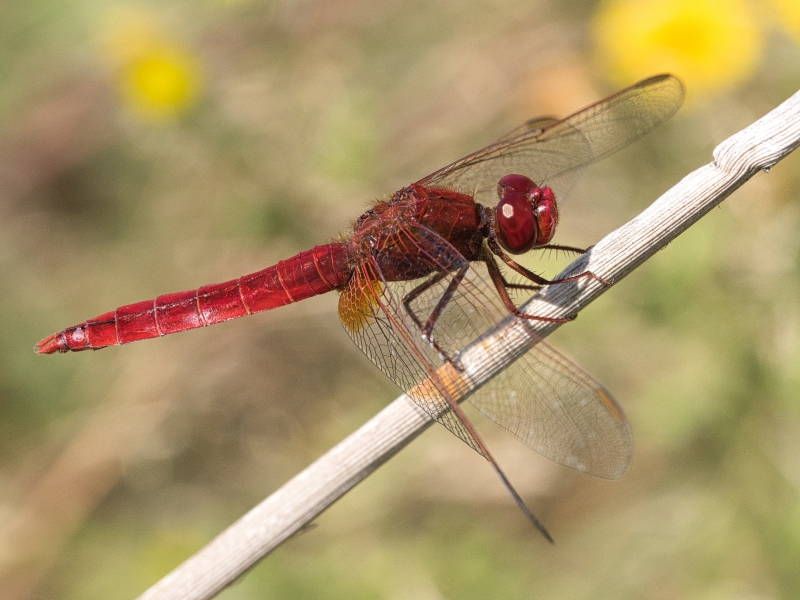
(153, 147)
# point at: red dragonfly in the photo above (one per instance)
(414, 287)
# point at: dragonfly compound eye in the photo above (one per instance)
(515, 183)
(546, 215)
(516, 226)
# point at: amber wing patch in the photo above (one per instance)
(358, 304)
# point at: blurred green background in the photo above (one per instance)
(153, 147)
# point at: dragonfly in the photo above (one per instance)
(423, 276)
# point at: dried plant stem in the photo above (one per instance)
(297, 503)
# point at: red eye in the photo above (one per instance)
(526, 216)
(515, 183)
(546, 215)
(516, 226)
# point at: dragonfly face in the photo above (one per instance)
(526, 216)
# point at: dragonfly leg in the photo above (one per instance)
(512, 264)
(573, 249)
(500, 285)
(427, 328)
(530, 287)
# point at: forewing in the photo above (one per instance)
(542, 398)
(551, 151)
(529, 127)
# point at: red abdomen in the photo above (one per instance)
(313, 272)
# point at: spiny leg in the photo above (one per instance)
(528, 287)
(494, 246)
(500, 286)
(573, 249)
(427, 328)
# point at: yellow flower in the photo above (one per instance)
(161, 82)
(788, 14)
(711, 44)
(158, 78)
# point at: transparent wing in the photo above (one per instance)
(558, 409)
(372, 313)
(530, 127)
(551, 151)
(542, 398)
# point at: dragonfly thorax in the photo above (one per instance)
(387, 233)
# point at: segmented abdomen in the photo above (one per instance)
(313, 272)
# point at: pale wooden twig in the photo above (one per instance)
(297, 503)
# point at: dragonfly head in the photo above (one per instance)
(526, 215)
